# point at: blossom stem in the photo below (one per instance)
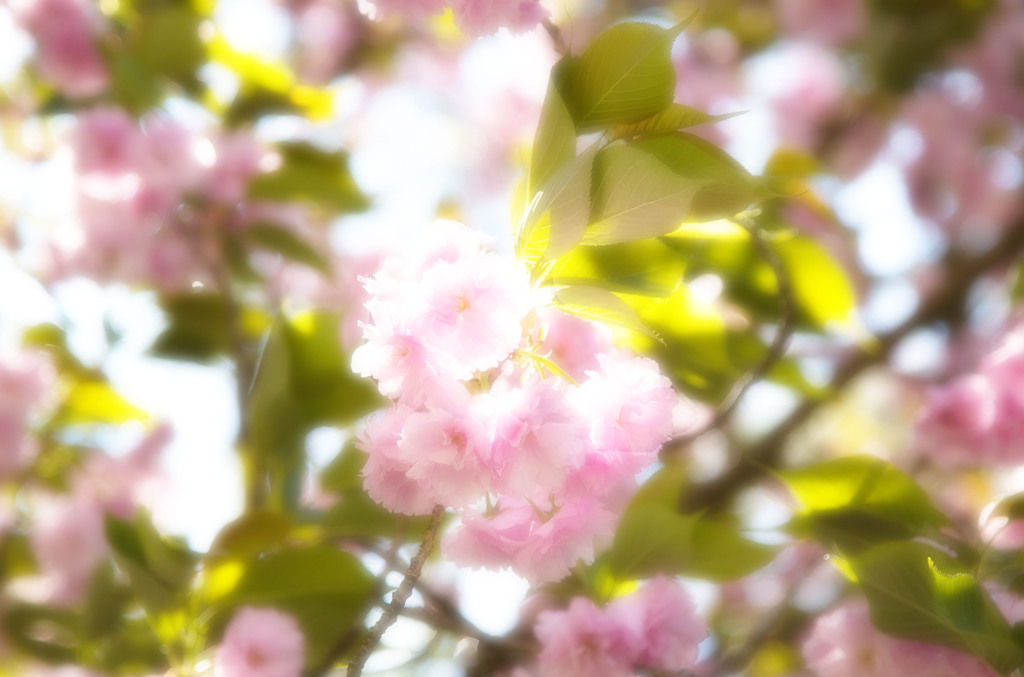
(400, 596)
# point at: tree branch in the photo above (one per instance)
(945, 304)
(400, 596)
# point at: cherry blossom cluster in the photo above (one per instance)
(133, 182)
(843, 643)
(473, 17)
(66, 35)
(536, 452)
(656, 628)
(260, 643)
(978, 418)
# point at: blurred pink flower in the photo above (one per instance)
(829, 22)
(66, 32)
(978, 418)
(584, 641)
(68, 541)
(260, 643)
(656, 628)
(664, 620)
(27, 381)
(843, 643)
(482, 17)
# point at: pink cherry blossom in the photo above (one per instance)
(663, 617)
(236, 160)
(68, 541)
(384, 475)
(978, 418)
(538, 438)
(260, 643)
(106, 141)
(571, 342)
(66, 33)
(473, 17)
(955, 180)
(539, 547)
(448, 451)
(26, 382)
(584, 641)
(655, 628)
(954, 427)
(629, 403)
(122, 483)
(843, 643)
(482, 17)
(410, 9)
(472, 310)
(829, 22)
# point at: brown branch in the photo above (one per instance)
(400, 596)
(946, 304)
(557, 39)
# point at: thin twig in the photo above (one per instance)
(776, 350)
(400, 596)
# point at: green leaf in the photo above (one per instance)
(196, 327)
(601, 306)
(672, 119)
(726, 187)
(255, 532)
(158, 570)
(719, 553)
(696, 345)
(313, 175)
(823, 295)
(653, 537)
(636, 196)
(565, 200)
(821, 288)
(554, 143)
(165, 41)
(287, 243)
(266, 87)
(26, 625)
(105, 603)
(914, 592)
(856, 501)
(327, 590)
(624, 76)
(645, 267)
(303, 381)
(90, 402)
